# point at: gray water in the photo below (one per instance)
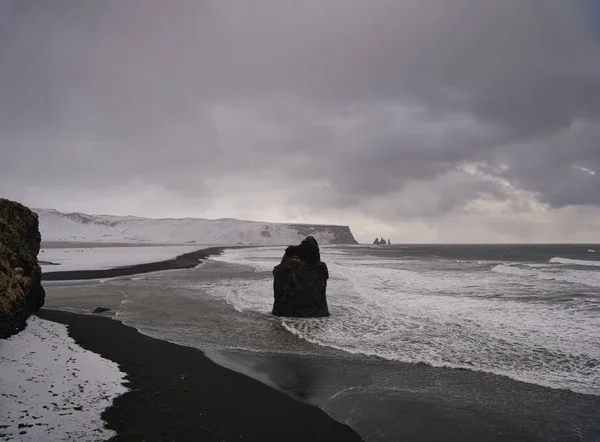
(421, 338)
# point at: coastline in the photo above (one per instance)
(177, 393)
(185, 261)
(181, 393)
(382, 400)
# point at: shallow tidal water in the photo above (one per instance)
(424, 342)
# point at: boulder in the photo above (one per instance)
(21, 291)
(300, 282)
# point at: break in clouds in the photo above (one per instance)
(424, 120)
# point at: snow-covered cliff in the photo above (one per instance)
(58, 226)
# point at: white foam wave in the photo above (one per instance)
(579, 262)
(556, 382)
(418, 311)
(549, 273)
(262, 259)
(512, 270)
(244, 295)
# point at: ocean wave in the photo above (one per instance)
(579, 262)
(512, 269)
(517, 319)
(554, 380)
(548, 273)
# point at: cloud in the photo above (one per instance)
(402, 110)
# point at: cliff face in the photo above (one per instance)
(21, 292)
(341, 235)
(59, 226)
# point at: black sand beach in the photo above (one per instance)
(178, 394)
(185, 261)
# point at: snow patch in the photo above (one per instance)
(96, 258)
(52, 389)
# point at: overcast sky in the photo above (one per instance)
(418, 120)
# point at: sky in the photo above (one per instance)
(417, 120)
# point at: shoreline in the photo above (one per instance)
(178, 393)
(425, 403)
(185, 261)
(435, 404)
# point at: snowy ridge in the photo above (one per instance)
(58, 226)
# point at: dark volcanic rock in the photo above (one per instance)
(376, 241)
(300, 282)
(21, 291)
(101, 310)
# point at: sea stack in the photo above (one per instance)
(300, 282)
(21, 291)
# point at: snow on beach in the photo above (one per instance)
(52, 389)
(98, 258)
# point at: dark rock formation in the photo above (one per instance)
(21, 291)
(101, 310)
(301, 281)
(381, 241)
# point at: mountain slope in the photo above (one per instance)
(58, 226)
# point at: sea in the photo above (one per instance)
(424, 342)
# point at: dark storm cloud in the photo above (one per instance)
(562, 169)
(364, 99)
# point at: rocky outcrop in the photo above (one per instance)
(300, 282)
(21, 291)
(381, 241)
